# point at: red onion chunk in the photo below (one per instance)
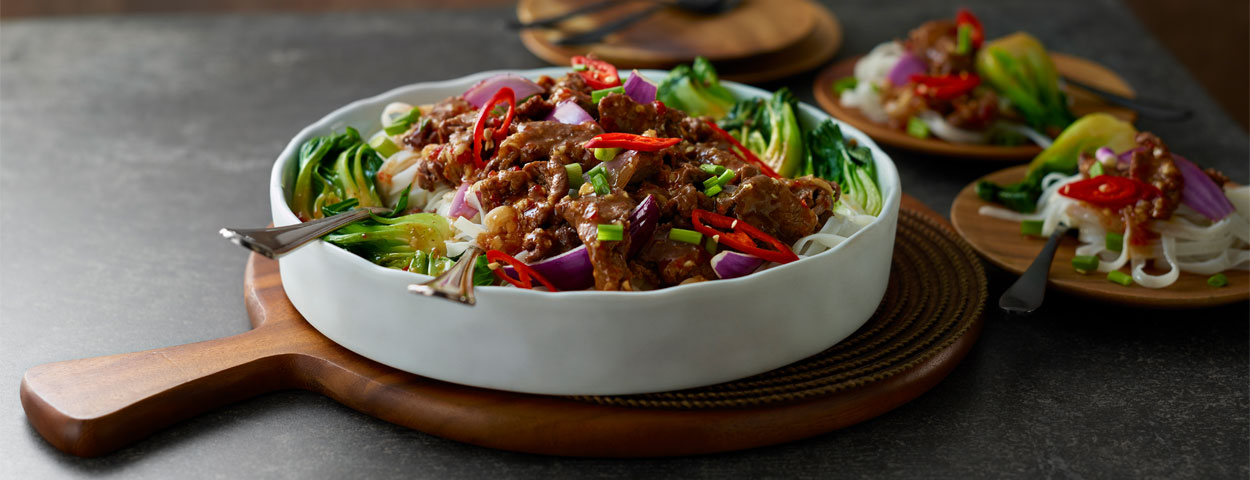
(642, 224)
(459, 207)
(1201, 193)
(570, 270)
(481, 93)
(569, 112)
(907, 66)
(639, 88)
(730, 264)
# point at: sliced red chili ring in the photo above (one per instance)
(504, 95)
(1109, 191)
(945, 87)
(598, 73)
(741, 236)
(743, 152)
(525, 274)
(630, 141)
(965, 17)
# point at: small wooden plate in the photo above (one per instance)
(1001, 243)
(1069, 66)
(809, 52)
(669, 36)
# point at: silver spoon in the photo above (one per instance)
(1027, 293)
(274, 241)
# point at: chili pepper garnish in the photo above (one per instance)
(743, 152)
(965, 17)
(504, 95)
(1110, 191)
(741, 236)
(630, 141)
(945, 87)
(525, 274)
(598, 73)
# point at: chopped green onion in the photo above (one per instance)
(606, 154)
(710, 169)
(383, 145)
(685, 236)
(917, 128)
(600, 182)
(580, 68)
(402, 123)
(710, 245)
(611, 232)
(1031, 227)
(963, 46)
(843, 84)
(1218, 280)
(597, 95)
(726, 177)
(711, 182)
(597, 170)
(711, 192)
(1095, 169)
(1119, 277)
(574, 171)
(1115, 242)
(1085, 263)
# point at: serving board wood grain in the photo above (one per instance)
(1083, 102)
(1001, 242)
(94, 406)
(809, 51)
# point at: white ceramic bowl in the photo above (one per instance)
(586, 342)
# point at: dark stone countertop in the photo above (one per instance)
(126, 142)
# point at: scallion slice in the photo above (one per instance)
(712, 191)
(600, 181)
(917, 128)
(1115, 242)
(1116, 276)
(606, 154)
(1095, 169)
(710, 182)
(1085, 263)
(685, 236)
(574, 171)
(597, 95)
(843, 84)
(1031, 227)
(710, 169)
(726, 177)
(1218, 280)
(963, 44)
(609, 232)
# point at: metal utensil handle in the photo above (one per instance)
(455, 284)
(1027, 293)
(594, 35)
(1148, 108)
(275, 241)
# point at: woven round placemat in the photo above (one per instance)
(936, 293)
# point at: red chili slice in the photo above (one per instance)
(598, 73)
(525, 274)
(504, 95)
(945, 87)
(1109, 191)
(965, 17)
(741, 236)
(743, 152)
(630, 141)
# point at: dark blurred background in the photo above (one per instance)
(1210, 37)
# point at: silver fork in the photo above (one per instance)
(274, 241)
(1027, 293)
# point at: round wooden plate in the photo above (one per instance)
(811, 51)
(927, 322)
(1001, 243)
(1069, 66)
(670, 35)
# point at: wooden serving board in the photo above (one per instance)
(1001, 242)
(930, 317)
(1082, 103)
(670, 35)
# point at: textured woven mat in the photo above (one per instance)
(937, 291)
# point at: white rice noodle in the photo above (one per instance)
(1188, 242)
(464, 234)
(870, 75)
(393, 111)
(836, 230)
(945, 131)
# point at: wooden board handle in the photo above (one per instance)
(93, 406)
